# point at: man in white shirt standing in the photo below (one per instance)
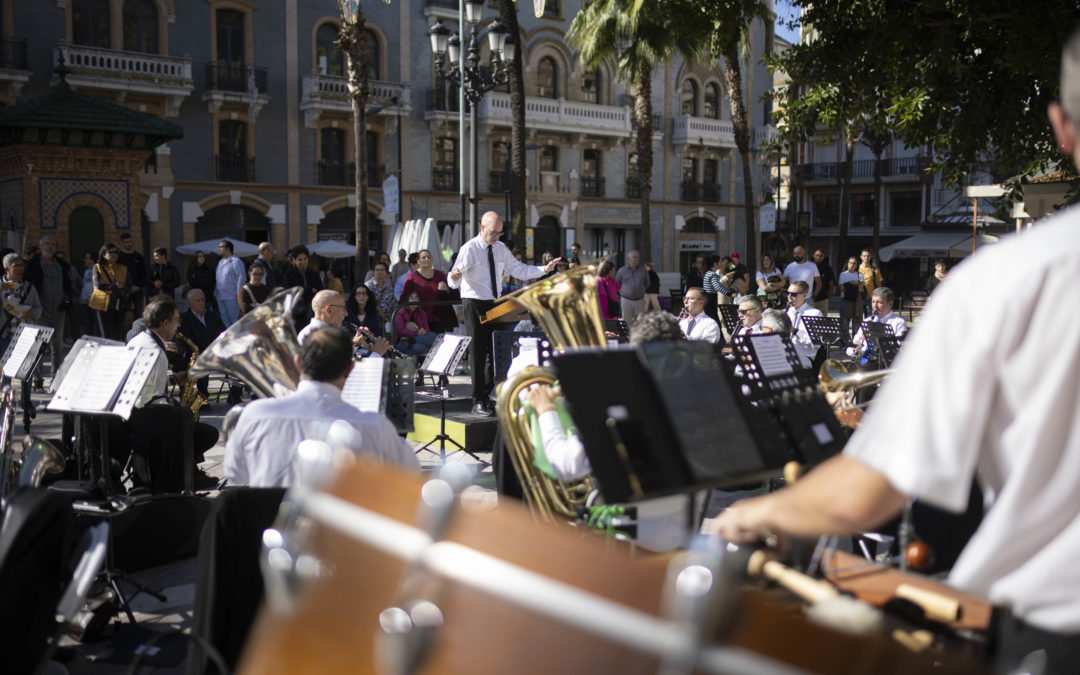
(480, 264)
(803, 270)
(991, 411)
(698, 325)
(797, 308)
(231, 277)
(881, 304)
(261, 451)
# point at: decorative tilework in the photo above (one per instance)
(54, 192)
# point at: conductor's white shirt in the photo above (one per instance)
(472, 262)
(703, 328)
(990, 390)
(261, 451)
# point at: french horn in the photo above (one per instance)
(566, 306)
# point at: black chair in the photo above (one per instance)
(229, 585)
(35, 546)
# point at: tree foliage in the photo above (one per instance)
(970, 79)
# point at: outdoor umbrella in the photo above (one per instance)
(333, 248)
(240, 248)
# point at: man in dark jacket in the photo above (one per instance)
(202, 326)
(50, 275)
(164, 277)
(136, 265)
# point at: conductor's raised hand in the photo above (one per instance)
(455, 274)
(551, 265)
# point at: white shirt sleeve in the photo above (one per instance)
(566, 454)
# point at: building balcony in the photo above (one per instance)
(699, 192)
(234, 169)
(558, 115)
(236, 84)
(123, 72)
(897, 169)
(591, 186)
(444, 180)
(330, 93)
(13, 72)
(763, 135)
(688, 130)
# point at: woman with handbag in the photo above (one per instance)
(607, 289)
(111, 295)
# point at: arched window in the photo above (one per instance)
(329, 60)
(591, 87)
(230, 39)
(90, 23)
(140, 26)
(547, 74)
(371, 54)
(688, 98)
(712, 101)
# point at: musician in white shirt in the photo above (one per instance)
(881, 304)
(698, 325)
(798, 308)
(750, 315)
(480, 264)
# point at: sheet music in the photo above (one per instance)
(364, 386)
(145, 360)
(22, 348)
(92, 382)
(771, 355)
(440, 362)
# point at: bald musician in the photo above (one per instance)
(328, 308)
(261, 452)
(990, 411)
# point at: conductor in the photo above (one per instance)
(480, 264)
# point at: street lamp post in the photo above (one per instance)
(475, 80)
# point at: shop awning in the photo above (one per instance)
(928, 244)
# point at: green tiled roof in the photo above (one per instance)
(67, 110)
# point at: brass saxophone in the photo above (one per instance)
(190, 397)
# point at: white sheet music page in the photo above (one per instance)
(145, 360)
(92, 382)
(772, 357)
(22, 348)
(363, 388)
(441, 361)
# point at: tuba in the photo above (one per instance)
(259, 349)
(566, 306)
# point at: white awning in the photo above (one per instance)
(934, 245)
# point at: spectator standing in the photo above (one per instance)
(400, 268)
(652, 291)
(801, 269)
(298, 275)
(230, 278)
(263, 260)
(695, 278)
(18, 299)
(136, 264)
(607, 290)
(50, 275)
(201, 276)
(828, 282)
(333, 281)
(383, 292)
(111, 277)
(382, 257)
(89, 318)
(164, 277)
(937, 276)
(399, 285)
(632, 282)
(871, 278)
(851, 290)
(770, 284)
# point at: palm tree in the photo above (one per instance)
(353, 41)
(508, 18)
(638, 37)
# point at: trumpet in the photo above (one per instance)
(369, 342)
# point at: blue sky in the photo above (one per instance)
(785, 11)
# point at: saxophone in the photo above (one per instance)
(190, 397)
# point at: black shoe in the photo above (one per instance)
(482, 409)
(204, 481)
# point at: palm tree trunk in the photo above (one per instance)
(741, 123)
(643, 118)
(877, 200)
(845, 193)
(508, 18)
(352, 40)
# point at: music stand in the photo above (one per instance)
(442, 359)
(729, 314)
(619, 328)
(383, 386)
(824, 330)
(881, 341)
(504, 343)
(21, 358)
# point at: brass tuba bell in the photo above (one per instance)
(566, 306)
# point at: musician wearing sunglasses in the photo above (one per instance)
(1000, 409)
(330, 310)
(797, 308)
(749, 315)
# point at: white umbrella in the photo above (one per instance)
(334, 248)
(240, 248)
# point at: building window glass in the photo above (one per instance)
(906, 209)
(549, 158)
(689, 170)
(140, 26)
(371, 159)
(329, 60)
(230, 39)
(233, 164)
(371, 53)
(862, 210)
(688, 98)
(90, 23)
(590, 87)
(332, 167)
(712, 101)
(546, 78)
(444, 175)
(826, 210)
(591, 164)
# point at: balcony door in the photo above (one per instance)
(140, 26)
(232, 162)
(332, 167)
(90, 23)
(230, 50)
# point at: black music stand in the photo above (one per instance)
(729, 315)
(505, 347)
(21, 359)
(824, 330)
(619, 328)
(383, 386)
(442, 359)
(882, 342)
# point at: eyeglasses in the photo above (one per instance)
(695, 299)
(792, 294)
(744, 312)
